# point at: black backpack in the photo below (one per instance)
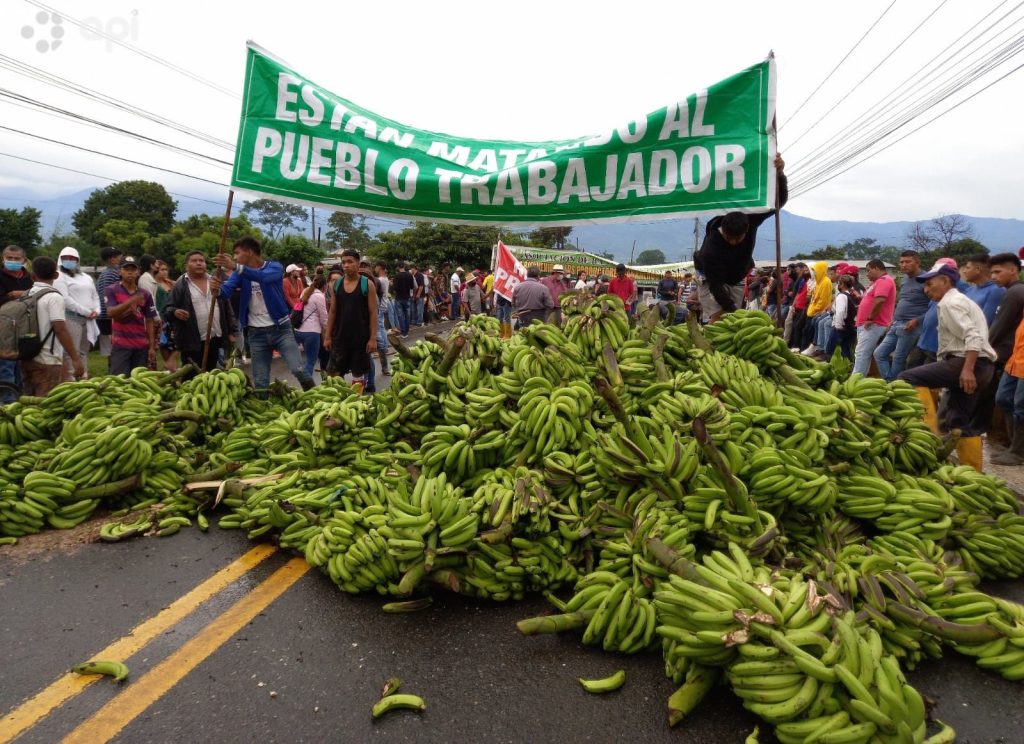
(19, 327)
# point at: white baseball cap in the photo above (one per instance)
(291, 268)
(459, 269)
(69, 252)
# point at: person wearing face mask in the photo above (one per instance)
(15, 281)
(81, 306)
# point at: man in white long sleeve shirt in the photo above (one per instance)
(844, 313)
(81, 305)
(965, 359)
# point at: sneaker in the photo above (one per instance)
(810, 350)
(406, 336)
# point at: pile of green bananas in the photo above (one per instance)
(773, 524)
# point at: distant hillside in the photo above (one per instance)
(674, 237)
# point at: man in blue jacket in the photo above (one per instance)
(263, 311)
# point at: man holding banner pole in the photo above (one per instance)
(727, 254)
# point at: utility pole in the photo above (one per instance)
(696, 236)
(314, 224)
(631, 252)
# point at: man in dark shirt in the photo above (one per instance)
(405, 286)
(1005, 272)
(15, 281)
(668, 288)
(727, 254)
(111, 257)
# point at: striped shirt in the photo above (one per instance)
(129, 331)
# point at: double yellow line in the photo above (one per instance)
(139, 694)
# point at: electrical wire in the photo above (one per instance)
(838, 65)
(916, 129)
(827, 147)
(870, 73)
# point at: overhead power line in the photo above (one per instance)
(838, 65)
(846, 95)
(137, 50)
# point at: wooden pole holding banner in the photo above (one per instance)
(216, 292)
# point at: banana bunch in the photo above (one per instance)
(460, 451)
(436, 520)
(719, 371)
(337, 423)
(709, 508)
(908, 443)
(114, 453)
(525, 361)
(863, 494)
(651, 452)
(778, 478)
(787, 427)
(993, 548)
(868, 394)
(483, 342)
(760, 393)
(215, 396)
(552, 418)
(20, 424)
(629, 555)
(679, 410)
(848, 440)
(977, 493)
(921, 506)
(1004, 654)
(507, 570)
(750, 335)
(600, 322)
(618, 619)
(405, 410)
(119, 530)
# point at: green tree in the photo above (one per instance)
(550, 237)
(129, 201)
(864, 249)
(128, 236)
(21, 227)
(828, 253)
(274, 216)
(959, 250)
(88, 254)
(431, 244)
(650, 257)
(293, 249)
(200, 232)
(346, 230)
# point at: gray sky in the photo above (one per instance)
(529, 71)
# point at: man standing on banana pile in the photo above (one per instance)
(263, 311)
(966, 360)
(727, 254)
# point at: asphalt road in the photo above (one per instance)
(277, 652)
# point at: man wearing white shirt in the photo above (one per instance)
(965, 359)
(82, 306)
(456, 289)
(43, 372)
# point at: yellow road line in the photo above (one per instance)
(64, 688)
(111, 719)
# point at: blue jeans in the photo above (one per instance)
(369, 379)
(10, 374)
(392, 313)
(404, 313)
(263, 342)
(1010, 396)
(842, 338)
(897, 344)
(503, 311)
(867, 340)
(417, 311)
(823, 326)
(310, 343)
(455, 306)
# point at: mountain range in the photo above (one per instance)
(675, 238)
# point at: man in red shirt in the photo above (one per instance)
(624, 287)
(874, 314)
(555, 283)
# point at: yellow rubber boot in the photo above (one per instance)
(931, 416)
(968, 451)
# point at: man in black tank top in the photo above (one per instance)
(352, 322)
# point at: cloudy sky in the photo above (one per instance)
(534, 71)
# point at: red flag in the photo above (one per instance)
(508, 273)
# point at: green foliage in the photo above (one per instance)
(828, 253)
(550, 237)
(21, 227)
(346, 230)
(650, 257)
(128, 236)
(430, 244)
(129, 202)
(293, 249)
(200, 232)
(960, 250)
(274, 216)
(89, 254)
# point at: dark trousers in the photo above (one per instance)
(843, 338)
(123, 361)
(946, 374)
(195, 356)
(981, 423)
(796, 338)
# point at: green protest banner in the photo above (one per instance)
(709, 152)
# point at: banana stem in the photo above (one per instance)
(107, 490)
(181, 373)
(396, 343)
(696, 334)
(611, 364)
(456, 343)
(216, 474)
(741, 502)
(790, 377)
(699, 682)
(650, 320)
(672, 562)
(658, 355)
(555, 623)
